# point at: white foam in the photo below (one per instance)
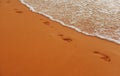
(110, 6)
(73, 27)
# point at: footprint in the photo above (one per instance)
(61, 35)
(67, 39)
(19, 11)
(46, 22)
(103, 56)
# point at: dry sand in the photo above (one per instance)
(33, 45)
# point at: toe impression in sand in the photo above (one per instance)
(103, 56)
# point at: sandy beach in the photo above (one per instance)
(33, 45)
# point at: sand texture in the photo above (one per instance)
(33, 45)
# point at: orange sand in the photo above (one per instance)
(33, 45)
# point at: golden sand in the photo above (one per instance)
(33, 45)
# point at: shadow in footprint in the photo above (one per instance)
(67, 39)
(19, 11)
(61, 35)
(103, 56)
(46, 23)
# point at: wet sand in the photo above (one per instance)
(33, 45)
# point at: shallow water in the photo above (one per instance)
(99, 18)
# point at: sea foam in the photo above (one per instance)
(99, 18)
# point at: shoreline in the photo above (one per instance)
(33, 45)
(72, 27)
